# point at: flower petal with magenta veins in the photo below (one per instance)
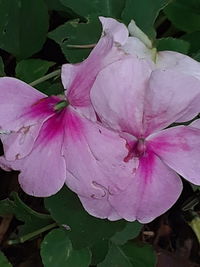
(179, 148)
(118, 94)
(78, 78)
(22, 115)
(154, 189)
(43, 171)
(15, 98)
(94, 159)
(170, 95)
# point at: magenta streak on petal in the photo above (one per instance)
(164, 143)
(53, 128)
(146, 164)
(74, 125)
(42, 108)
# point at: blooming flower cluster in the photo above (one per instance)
(107, 138)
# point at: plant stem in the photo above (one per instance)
(46, 77)
(24, 238)
(82, 46)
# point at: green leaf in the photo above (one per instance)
(50, 89)
(99, 251)
(2, 73)
(194, 40)
(130, 231)
(75, 33)
(173, 44)
(32, 219)
(30, 70)
(23, 26)
(130, 255)
(141, 255)
(58, 6)
(107, 8)
(196, 55)
(4, 261)
(57, 251)
(116, 258)
(195, 225)
(144, 12)
(66, 209)
(184, 14)
(55, 5)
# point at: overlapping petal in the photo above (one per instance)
(130, 97)
(118, 94)
(179, 148)
(16, 98)
(94, 158)
(23, 110)
(170, 95)
(43, 171)
(100, 208)
(78, 78)
(154, 189)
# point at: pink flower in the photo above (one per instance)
(140, 103)
(138, 44)
(50, 139)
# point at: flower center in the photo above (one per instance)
(140, 147)
(61, 105)
(136, 149)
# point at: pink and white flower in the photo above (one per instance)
(140, 103)
(51, 141)
(123, 164)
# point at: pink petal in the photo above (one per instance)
(100, 208)
(183, 64)
(43, 171)
(26, 121)
(195, 124)
(18, 144)
(79, 78)
(117, 30)
(134, 46)
(5, 165)
(170, 96)
(179, 148)
(118, 94)
(178, 62)
(94, 159)
(15, 97)
(154, 189)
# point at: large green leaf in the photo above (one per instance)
(4, 261)
(75, 33)
(184, 14)
(99, 251)
(23, 26)
(141, 255)
(29, 70)
(109, 8)
(130, 255)
(2, 73)
(32, 219)
(144, 12)
(66, 209)
(130, 231)
(57, 251)
(63, 10)
(116, 258)
(173, 44)
(194, 40)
